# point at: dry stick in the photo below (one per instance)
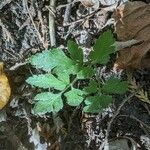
(138, 120)
(43, 29)
(6, 34)
(113, 118)
(4, 3)
(109, 8)
(121, 45)
(52, 23)
(38, 33)
(17, 65)
(67, 12)
(82, 19)
(11, 54)
(65, 5)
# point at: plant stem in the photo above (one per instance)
(70, 85)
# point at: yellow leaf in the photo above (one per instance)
(5, 89)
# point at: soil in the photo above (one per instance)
(23, 23)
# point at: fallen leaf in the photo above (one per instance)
(133, 22)
(5, 90)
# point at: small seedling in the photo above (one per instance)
(63, 77)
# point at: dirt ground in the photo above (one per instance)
(24, 30)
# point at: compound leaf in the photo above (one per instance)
(62, 69)
(103, 48)
(46, 81)
(115, 86)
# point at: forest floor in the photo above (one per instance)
(24, 31)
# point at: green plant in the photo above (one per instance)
(64, 75)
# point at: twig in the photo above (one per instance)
(43, 28)
(11, 54)
(109, 8)
(82, 19)
(67, 12)
(122, 45)
(17, 65)
(105, 143)
(38, 33)
(6, 34)
(65, 5)
(138, 120)
(52, 23)
(4, 3)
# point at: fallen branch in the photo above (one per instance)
(4, 3)
(65, 5)
(109, 8)
(67, 12)
(31, 18)
(122, 45)
(17, 65)
(52, 23)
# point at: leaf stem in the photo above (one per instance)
(68, 86)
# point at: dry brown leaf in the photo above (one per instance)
(5, 90)
(134, 87)
(133, 22)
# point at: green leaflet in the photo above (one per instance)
(85, 72)
(76, 53)
(74, 97)
(47, 102)
(103, 48)
(115, 86)
(46, 81)
(95, 104)
(63, 74)
(49, 59)
(45, 96)
(92, 87)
